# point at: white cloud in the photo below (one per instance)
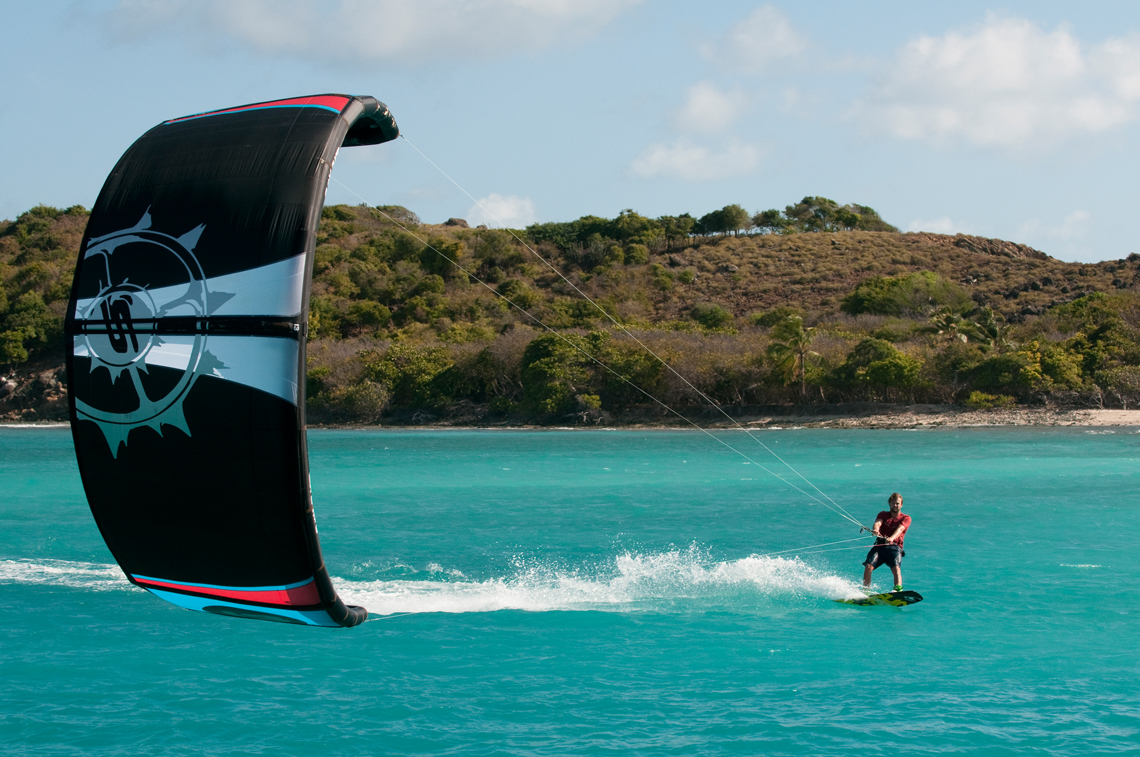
(943, 225)
(1006, 84)
(1066, 238)
(502, 211)
(1072, 227)
(710, 110)
(753, 44)
(364, 32)
(685, 160)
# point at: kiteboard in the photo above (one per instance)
(890, 598)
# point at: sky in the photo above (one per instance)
(1014, 120)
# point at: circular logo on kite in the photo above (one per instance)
(142, 276)
(125, 309)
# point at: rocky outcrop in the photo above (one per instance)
(457, 222)
(39, 396)
(997, 247)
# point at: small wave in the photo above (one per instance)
(1080, 565)
(630, 582)
(76, 575)
(35, 425)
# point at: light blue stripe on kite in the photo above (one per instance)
(243, 110)
(225, 588)
(308, 617)
(294, 105)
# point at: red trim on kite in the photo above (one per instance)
(300, 596)
(328, 102)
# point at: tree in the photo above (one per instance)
(867, 219)
(495, 250)
(990, 329)
(676, 228)
(878, 364)
(814, 214)
(790, 351)
(1124, 381)
(1104, 330)
(555, 373)
(442, 257)
(1014, 373)
(847, 219)
(366, 315)
(711, 223)
(629, 224)
(407, 372)
(12, 350)
(518, 294)
(735, 219)
(30, 316)
(770, 221)
(947, 324)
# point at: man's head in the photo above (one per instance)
(895, 502)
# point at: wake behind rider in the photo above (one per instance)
(890, 528)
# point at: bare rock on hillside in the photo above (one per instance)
(997, 247)
(458, 222)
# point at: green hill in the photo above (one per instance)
(400, 333)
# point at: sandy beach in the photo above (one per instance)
(941, 416)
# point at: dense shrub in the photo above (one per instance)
(983, 401)
(555, 372)
(711, 315)
(913, 295)
(878, 369)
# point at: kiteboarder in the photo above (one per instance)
(890, 528)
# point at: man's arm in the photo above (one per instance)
(875, 528)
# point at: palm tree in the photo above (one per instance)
(948, 324)
(791, 351)
(991, 329)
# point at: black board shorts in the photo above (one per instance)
(884, 554)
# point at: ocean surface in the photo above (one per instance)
(612, 593)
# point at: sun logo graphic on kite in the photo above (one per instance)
(121, 329)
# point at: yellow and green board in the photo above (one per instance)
(890, 598)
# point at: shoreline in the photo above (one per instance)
(939, 416)
(865, 417)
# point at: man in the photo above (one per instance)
(890, 528)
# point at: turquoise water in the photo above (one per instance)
(594, 592)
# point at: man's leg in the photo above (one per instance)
(896, 571)
(867, 576)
